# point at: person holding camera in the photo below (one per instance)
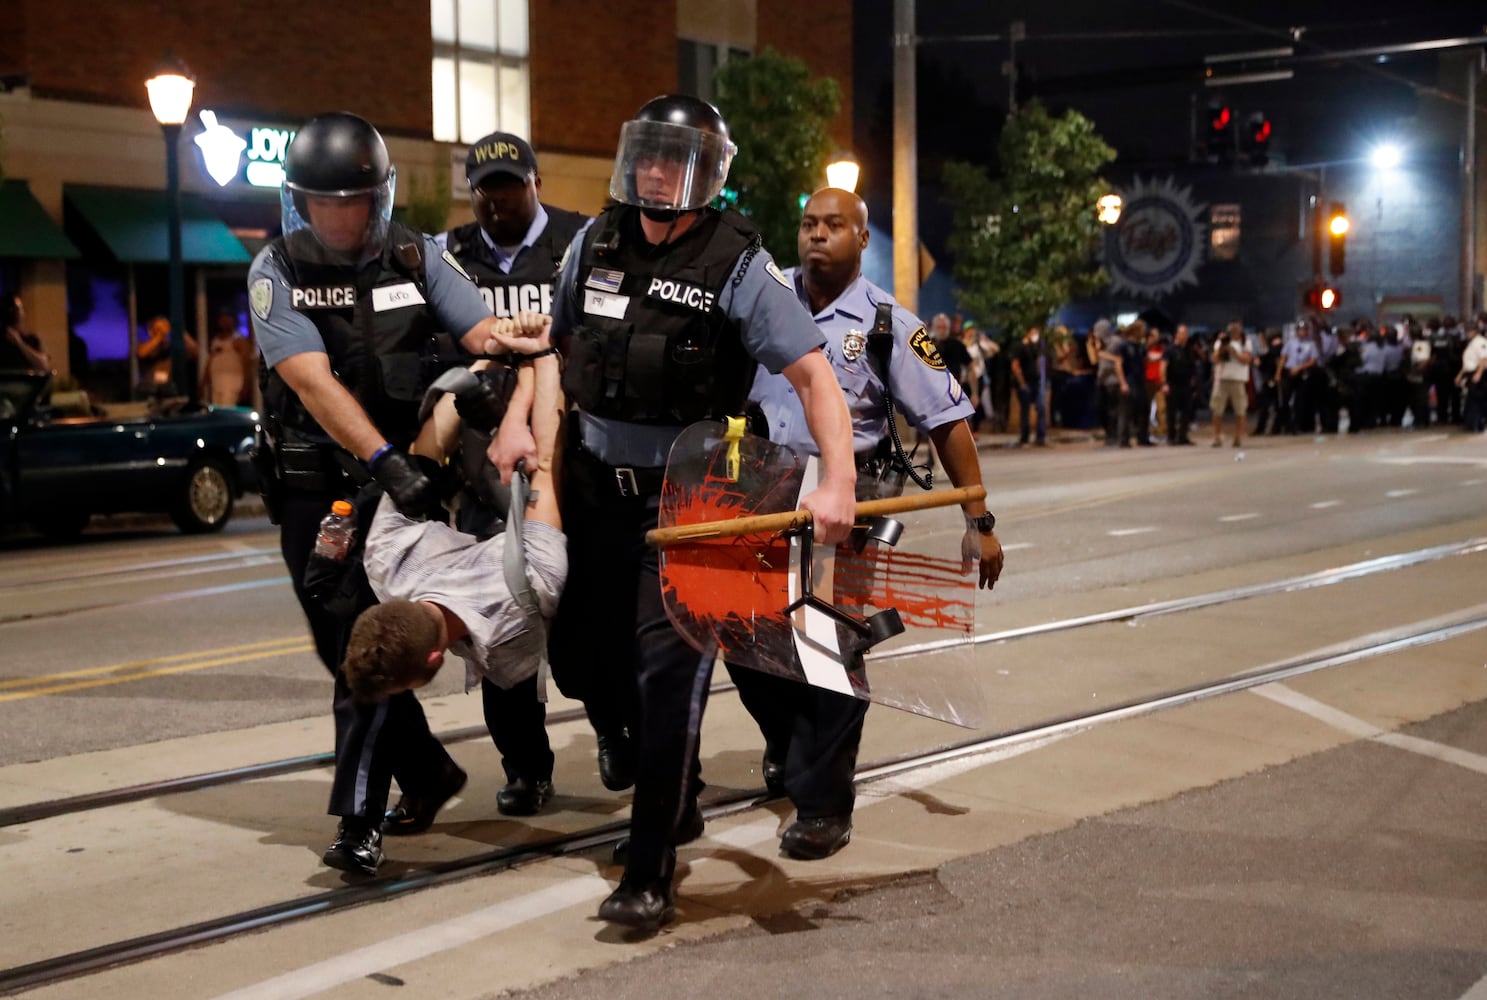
(1231, 364)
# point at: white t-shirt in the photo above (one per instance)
(1474, 355)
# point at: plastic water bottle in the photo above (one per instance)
(336, 532)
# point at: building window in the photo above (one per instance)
(696, 62)
(481, 66)
(1223, 232)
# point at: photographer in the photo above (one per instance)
(1231, 363)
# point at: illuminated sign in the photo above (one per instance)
(222, 149)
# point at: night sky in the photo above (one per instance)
(1140, 81)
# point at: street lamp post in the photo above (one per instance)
(170, 99)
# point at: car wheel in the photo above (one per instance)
(205, 503)
(61, 525)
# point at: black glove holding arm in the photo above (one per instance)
(414, 493)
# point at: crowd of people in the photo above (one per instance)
(531, 371)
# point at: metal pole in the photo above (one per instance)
(1469, 195)
(180, 374)
(905, 161)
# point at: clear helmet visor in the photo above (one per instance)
(666, 166)
(351, 222)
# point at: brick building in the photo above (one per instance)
(77, 126)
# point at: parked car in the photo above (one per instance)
(57, 469)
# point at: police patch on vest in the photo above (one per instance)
(853, 344)
(449, 259)
(326, 297)
(923, 346)
(261, 297)
(681, 293)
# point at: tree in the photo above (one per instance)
(428, 204)
(778, 116)
(1025, 242)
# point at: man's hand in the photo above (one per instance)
(513, 443)
(524, 333)
(985, 550)
(833, 510)
(411, 491)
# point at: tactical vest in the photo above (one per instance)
(670, 355)
(381, 355)
(529, 286)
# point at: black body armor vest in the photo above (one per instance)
(529, 286)
(378, 330)
(671, 356)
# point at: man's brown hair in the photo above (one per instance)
(389, 650)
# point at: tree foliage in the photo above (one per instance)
(778, 117)
(1025, 242)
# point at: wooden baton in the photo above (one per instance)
(790, 519)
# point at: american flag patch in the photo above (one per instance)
(604, 280)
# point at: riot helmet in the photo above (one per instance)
(336, 164)
(673, 156)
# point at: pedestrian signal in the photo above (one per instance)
(1337, 237)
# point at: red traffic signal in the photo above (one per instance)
(1219, 117)
(1323, 297)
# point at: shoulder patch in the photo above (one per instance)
(923, 346)
(449, 259)
(777, 274)
(261, 298)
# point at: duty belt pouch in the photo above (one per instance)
(304, 467)
(270, 479)
(340, 585)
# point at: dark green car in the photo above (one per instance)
(57, 471)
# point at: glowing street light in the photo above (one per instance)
(1109, 209)
(842, 172)
(1386, 156)
(170, 92)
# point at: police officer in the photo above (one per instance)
(1295, 372)
(512, 251)
(1445, 360)
(812, 732)
(346, 301)
(665, 305)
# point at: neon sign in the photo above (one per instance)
(222, 150)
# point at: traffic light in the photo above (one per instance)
(1337, 238)
(1219, 140)
(1323, 297)
(1257, 139)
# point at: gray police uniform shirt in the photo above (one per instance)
(282, 332)
(757, 296)
(924, 391)
(1297, 352)
(429, 561)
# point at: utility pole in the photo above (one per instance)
(905, 161)
(1469, 192)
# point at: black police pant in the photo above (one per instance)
(815, 733)
(518, 726)
(374, 743)
(612, 645)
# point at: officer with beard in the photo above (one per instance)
(347, 303)
(666, 305)
(511, 251)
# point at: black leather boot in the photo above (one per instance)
(814, 839)
(523, 798)
(357, 847)
(644, 904)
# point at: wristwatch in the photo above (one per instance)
(984, 523)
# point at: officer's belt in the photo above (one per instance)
(616, 480)
(319, 468)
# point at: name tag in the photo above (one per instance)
(604, 304)
(396, 297)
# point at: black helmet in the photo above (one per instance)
(337, 155)
(688, 134)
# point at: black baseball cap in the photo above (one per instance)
(499, 153)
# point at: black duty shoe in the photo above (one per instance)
(357, 848)
(415, 813)
(645, 904)
(523, 798)
(814, 839)
(774, 775)
(691, 829)
(616, 760)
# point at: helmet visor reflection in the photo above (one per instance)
(667, 166)
(326, 226)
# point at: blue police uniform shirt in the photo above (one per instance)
(1393, 355)
(1298, 351)
(503, 257)
(925, 392)
(1371, 358)
(776, 331)
(1326, 346)
(282, 332)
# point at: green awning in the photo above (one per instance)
(133, 224)
(25, 228)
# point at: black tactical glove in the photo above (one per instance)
(405, 483)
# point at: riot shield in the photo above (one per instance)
(767, 599)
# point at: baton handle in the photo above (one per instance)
(788, 520)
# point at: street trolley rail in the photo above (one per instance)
(70, 966)
(32, 812)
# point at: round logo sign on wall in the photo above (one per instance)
(1158, 244)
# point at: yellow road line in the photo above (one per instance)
(17, 682)
(303, 647)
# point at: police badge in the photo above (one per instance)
(261, 298)
(853, 344)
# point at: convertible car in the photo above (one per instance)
(58, 470)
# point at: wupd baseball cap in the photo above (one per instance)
(499, 153)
